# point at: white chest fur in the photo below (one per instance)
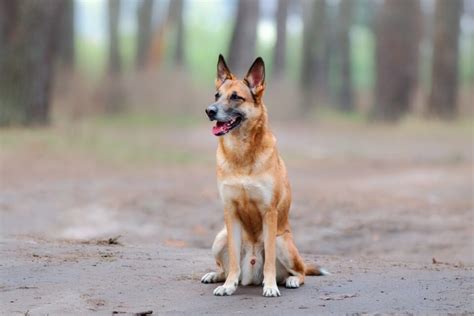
(257, 189)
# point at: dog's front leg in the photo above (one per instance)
(270, 287)
(234, 241)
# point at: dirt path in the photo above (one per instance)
(64, 278)
(396, 211)
(376, 206)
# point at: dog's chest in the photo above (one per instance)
(246, 191)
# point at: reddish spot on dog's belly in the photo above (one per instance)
(253, 261)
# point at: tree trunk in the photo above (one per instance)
(176, 18)
(115, 63)
(444, 86)
(397, 37)
(279, 58)
(157, 47)
(144, 32)
(67, 35)
(329, 67)
(8, 20)
(345, 95)
(29, 47)
(114, 91)
(244, 37)
(313, 65)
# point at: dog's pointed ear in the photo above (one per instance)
(255, 77)
(223, 72)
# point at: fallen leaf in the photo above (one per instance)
(336, 297)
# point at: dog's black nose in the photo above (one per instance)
(211, 112)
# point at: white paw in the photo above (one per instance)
(292, 282)
(210, 277)
(271, 291)
(224, 290)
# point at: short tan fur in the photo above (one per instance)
(256, 246)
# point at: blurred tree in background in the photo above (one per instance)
(244, 36)
(176, 18)
(115, 61)
(313, 76)
(444, 86)
(397, 36)
(144, 32)
(29, 43)
(279, 56)
(345, 95)
(67, 39)
(114, 93)
(384, 58)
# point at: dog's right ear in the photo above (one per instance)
(223, 72)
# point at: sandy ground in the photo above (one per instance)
(65, 278)
(374, 206)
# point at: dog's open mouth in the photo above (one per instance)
(222, 128)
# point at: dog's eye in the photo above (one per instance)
(235, 97)
(217, 95)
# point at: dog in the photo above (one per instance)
(256, 246)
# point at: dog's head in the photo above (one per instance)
(237, 102)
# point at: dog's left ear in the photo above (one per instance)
(255, 77)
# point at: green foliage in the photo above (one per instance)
(293, 57)
(466, 60)
(333, 116)
(363, 57)
(128, 140)
(134, 140)
(91, 57)
(265, 51)
(128, 47)
(140, 120)
(203, 47)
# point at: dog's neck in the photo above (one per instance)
(240, 146)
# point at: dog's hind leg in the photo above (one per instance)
(291, 266)
(219, 250)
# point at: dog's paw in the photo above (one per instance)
(224, 290)
(211, 277)
(292, 282)
(271, 291)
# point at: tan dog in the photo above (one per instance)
(256, 244)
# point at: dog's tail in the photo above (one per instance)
(314, 269)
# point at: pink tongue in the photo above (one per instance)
(219, 128)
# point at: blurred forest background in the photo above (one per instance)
(70, 59)
(103, 131)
